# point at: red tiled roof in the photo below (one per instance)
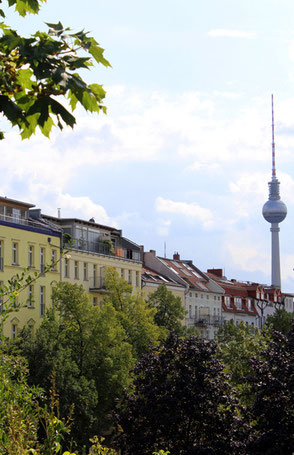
(149, 275)
(188, 272)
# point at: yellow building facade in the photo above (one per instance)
(92, 249)
(25, 243)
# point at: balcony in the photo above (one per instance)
(16, 220)
(97, 283)
(205, 320)
(104, 247)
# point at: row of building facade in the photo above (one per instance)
(32, 240)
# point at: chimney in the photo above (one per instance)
(153, 252)
(176, 256)
(216, 272)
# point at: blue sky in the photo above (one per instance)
(184, 153)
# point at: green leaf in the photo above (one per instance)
(24, 78)
(26, 6)
(97, 53)
(72, 99)
(98, 90)
(47, 126)
(29, 128)
(11, 110)
(66, 116)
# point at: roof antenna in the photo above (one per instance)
(165, 250)
(273, 143)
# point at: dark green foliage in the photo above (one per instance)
(36, 70)
(181, 402)
(280, 321)
(272, 412)
(170, 312)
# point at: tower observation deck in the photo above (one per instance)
(274, 211)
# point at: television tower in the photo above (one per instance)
(274, 211)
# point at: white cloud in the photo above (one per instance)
(245, 253)
(82, 207)
(229, 33)
(163, 228)
(189, 210)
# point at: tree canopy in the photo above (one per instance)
(272, 412)
(37, 71)
(170, 311)
(181, 401)
(280, 320)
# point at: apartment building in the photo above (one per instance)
(27, 243)
(92, 249)
(245, 301)
(203, 296)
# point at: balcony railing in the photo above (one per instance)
(17, 220)
(105, 248)
(204, 320)
(97, 282)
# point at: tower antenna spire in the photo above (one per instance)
(273, 142)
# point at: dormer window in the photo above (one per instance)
(228, 301)
(238, 303)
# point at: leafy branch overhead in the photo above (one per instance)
(36, 71)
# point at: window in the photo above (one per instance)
(42, 300)
(14, 253)
(215, 297)
(137, 279)
(30, 297)
(94, 275)
(14, 331)
(94, 301)
(190, 293)
(228, 301)
(249, 304)
(122, 273)
(130, 277)
(31, 256)
(1, 255)
(85, 271)
(190, 311)
(16, 215)
(202, 296)
(76, 270)
(196, 295)
(42, 259)
(66, 268)
(53, 259)
(207, 297)
(238, 303)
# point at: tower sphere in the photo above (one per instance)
(274, 211)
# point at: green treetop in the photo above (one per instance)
(170, 312)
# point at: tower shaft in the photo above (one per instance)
(276, 269)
